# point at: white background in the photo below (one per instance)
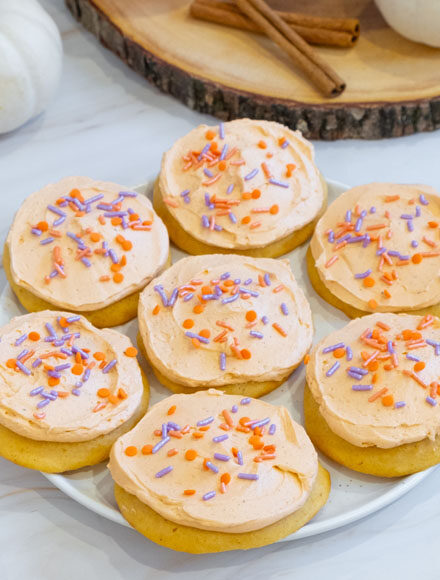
(108, 123)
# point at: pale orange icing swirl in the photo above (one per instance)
(400, 402)
(262, 331)
(86, 280)
(258, 154)
(78, 412)
(285, 471)
(402, 259)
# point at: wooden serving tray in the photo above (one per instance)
(393, 85)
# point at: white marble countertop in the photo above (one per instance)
(108, 123)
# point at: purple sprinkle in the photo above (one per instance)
(209, 495)
(21, 339)
(348, 353)
(173, 426)
(431, 342)
(186, 199)
(362, 387)
(52, 396)
(239, 458)
(412, 357)
(230, 299)
(394, 253)
(247, 282)
(333, 369)
(220, 438)
(208, 173)
(86, 262)
(197, 336)
(185, 192)
(284, 309)
(173, 297)
(279, 183)
(76, 239)
(230, 188)
(256, 334)
(252, 476)
(211, 466)
(73, 319)
(221, 457)
(356, 239)
(363, 274)
(381, 251)
(66, 351)
(366, 241)
(390, 347)
(247, 291)
(264, 319)
(109, 366)
(204, 151)
(204, 422)
(36, 391)
(207, 200)
(272, 429)
(348, 215)
(222, 361)
(128, 193)
(164, 471)
(356, 376)
(188, 297)
(76, 392)
(94, 199)
(237, 281)
(43, 403)
(363, 213)
(86, 375)
(63, 367)
(404, 257)
(407, 216)
(423, 199)
(218, 228)
(285, 144)
(221, 130)
(78, 384)
(245, 401)
(59, 221)
(260, 423)
(104, 206)
(54, 374)
(267, 279)
(83, 354)
(372, 209)
(37, 362)
(224, 151)
(399, 404)
(431, 401)
(59, 342)
(23, 369)
(164, 430)
(160, 444)
(331, 237)
(205, 221)
(414, 244)
(159, 289)
(418, 211)
(113, 256)
(217, 290)
(358, 225)
(250, 175)
(232, 218)
(22, 354)
(410, 226)
(36, 231)
(359, 371)
(54, 209)
(225, 276)
(333, 347)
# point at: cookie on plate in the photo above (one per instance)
(371, 401)
(377, 249)
(67, 391)
(246, 186)
(210, 472)
(85, 246)
(237, 323)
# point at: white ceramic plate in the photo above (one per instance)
(353, 495)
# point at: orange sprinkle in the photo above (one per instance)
(415, 377)
(339, 352)
(188, 323)
(189, 492)
(131, 451)
(103, 392)
(419, 366)
(195, 342)
(98, 355)
(279, 329)
(246, 219)
(377, 395)
(198, 308)
(205, 332)
(388, 401)
(210, 134)
(156, 310)
(127, 245)
(274, 209)
(369, 282)
(245, 353)
(225, 478)
(382, 325)
(104, 278)
(424, 323)
(116, 221)
(34, 336)
(256, 194)
(416, 259)
(77, 369)
(172, 452)
(390, 198)
(222, 165)
(147, 449)
(131, 351)
(95, 237)
(190, 454)
(372, 304)
(122, 394)
(10, 363)
(251, 315)
(118, 277)
(53, 381)
(433, 225)
(262, 144)
(290, 168)
(228, 418)
(115, 267)
(331, 261)
(113, 399)
(307, 359)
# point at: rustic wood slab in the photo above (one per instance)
(393, 85)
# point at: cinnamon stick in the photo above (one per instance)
(341, 32)
(305, 58)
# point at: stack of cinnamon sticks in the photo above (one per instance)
(290, 31)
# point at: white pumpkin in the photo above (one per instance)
(418, 20)
(30, 61)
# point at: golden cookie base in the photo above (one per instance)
(56, 457)
(252, 389)
(393, 462)
(191, 245)
(112, 315)
(195, 541)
